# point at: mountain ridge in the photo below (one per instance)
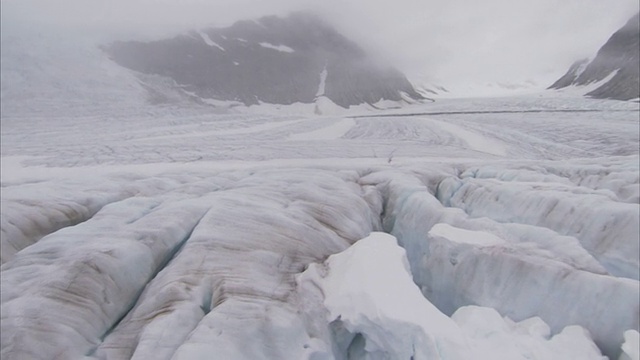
(620, 54)
(272, 60)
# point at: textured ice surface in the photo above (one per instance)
(522, 270)
(139, 232)
(631, 346)
(373, 310)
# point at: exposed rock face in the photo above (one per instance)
(272, 60)
(620, 53)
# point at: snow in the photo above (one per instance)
(281, 48)
(606, 228)
(585, 89)
(474, 141)
(323, 82)
(454, 269)
(205, 37)
(631, 346)
(462, 236)
(122, 220)
(334, 131)
(374, 310)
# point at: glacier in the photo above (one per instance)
(371, 309)
(108, 243)
(461, 228)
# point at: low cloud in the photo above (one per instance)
(456, 41)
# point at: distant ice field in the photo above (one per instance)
(503, 128)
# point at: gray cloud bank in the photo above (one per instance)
(455, 41)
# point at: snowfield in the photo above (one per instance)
(177, 233)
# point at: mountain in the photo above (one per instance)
(620, 54)
(272, 60)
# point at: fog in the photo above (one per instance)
(455, 42)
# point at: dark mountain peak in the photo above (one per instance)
(272, 59)
(619, 58)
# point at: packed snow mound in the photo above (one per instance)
(614, 69)
(270, 60)
(373, 310)
(631, 346)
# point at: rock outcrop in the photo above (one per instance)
(618, 60)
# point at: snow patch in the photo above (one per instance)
(281, 48)
(581, 90)
(631, 346)
(210, 42)
(462, 236)
(323, 81)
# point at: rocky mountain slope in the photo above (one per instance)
(272, 60)
(620, 54)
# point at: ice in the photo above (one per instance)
(132, 230)
(373, 310)
(473, 140)
(66, 305)
(462, 236)
(281, 48)
(205, 37)
(631, 346)
(323, 82)
(230, 285)
(333, 131)
(606, 228)
(454, 268)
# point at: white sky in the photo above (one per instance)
(452, 41)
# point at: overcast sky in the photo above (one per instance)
(447, 41)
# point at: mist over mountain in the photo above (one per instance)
(272, 60)
(618, 59)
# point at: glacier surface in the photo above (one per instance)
(177, 232)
